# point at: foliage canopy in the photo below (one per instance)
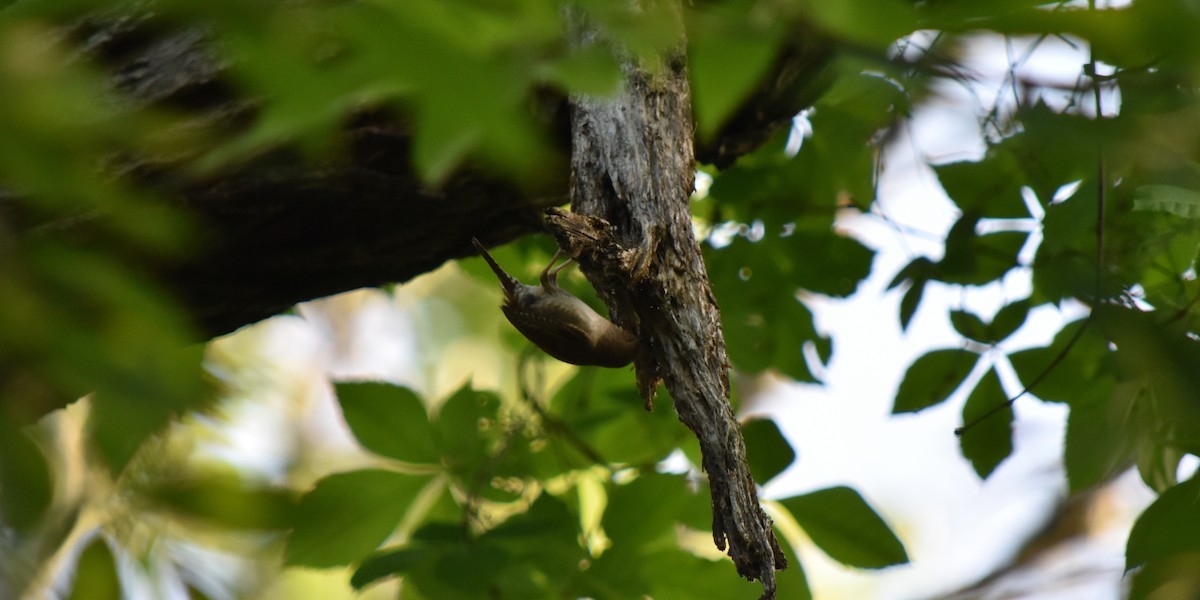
(556, 491)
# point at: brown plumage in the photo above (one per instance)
(560, 324)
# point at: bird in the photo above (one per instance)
(559, 323)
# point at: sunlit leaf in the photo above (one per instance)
(347, 515)
(388, 419)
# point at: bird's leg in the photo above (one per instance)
(549, 274)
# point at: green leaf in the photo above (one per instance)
(969, 326)
(990, 187)
(96, 574)
(1177, 576)
(918, 269)
(606, 414)
(932, 378)
(910, 302)
(1167, 528)
(792, 582)
(545, 542)
(681, 575)
(989, 440)
(767, 450)
(588, 71)
(642, 514)
(463, 428)
(1097, 444)
(348, 515)
(842, 524)
(448, 578)
(386, 564)
(389, 420)
(224, 500)
(1008, 320)
(26, 482)
(973, 259)
(1063, 377)
(765, 324)
(727, 56)
(1171, 199)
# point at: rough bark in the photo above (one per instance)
(631, 231)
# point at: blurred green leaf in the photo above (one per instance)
(225, 500)
(1176, 576)
(605, 413)
(988, 417)
(767, 450)
(347, 515)
(842, 524)
(681, 575)
(875, 23)
(388, 419)
(386, 564)
(642, 514)
(792, 581)
(433, 564)
(910, 301)
(96, 574)
(26, 482)
(727, 55)
(1168, 198)
(765, 325)
(1055, 374)
(970, 326)
(990, 187)
(973, 259)
(1008, 320)
(932, 378)
(1097, 443)
(1167, 527)
(544, 541)
(589, 71)
(464, 427)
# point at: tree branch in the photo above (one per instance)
(631, 232)
(279, 230)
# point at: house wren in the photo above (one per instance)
(560, 324)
